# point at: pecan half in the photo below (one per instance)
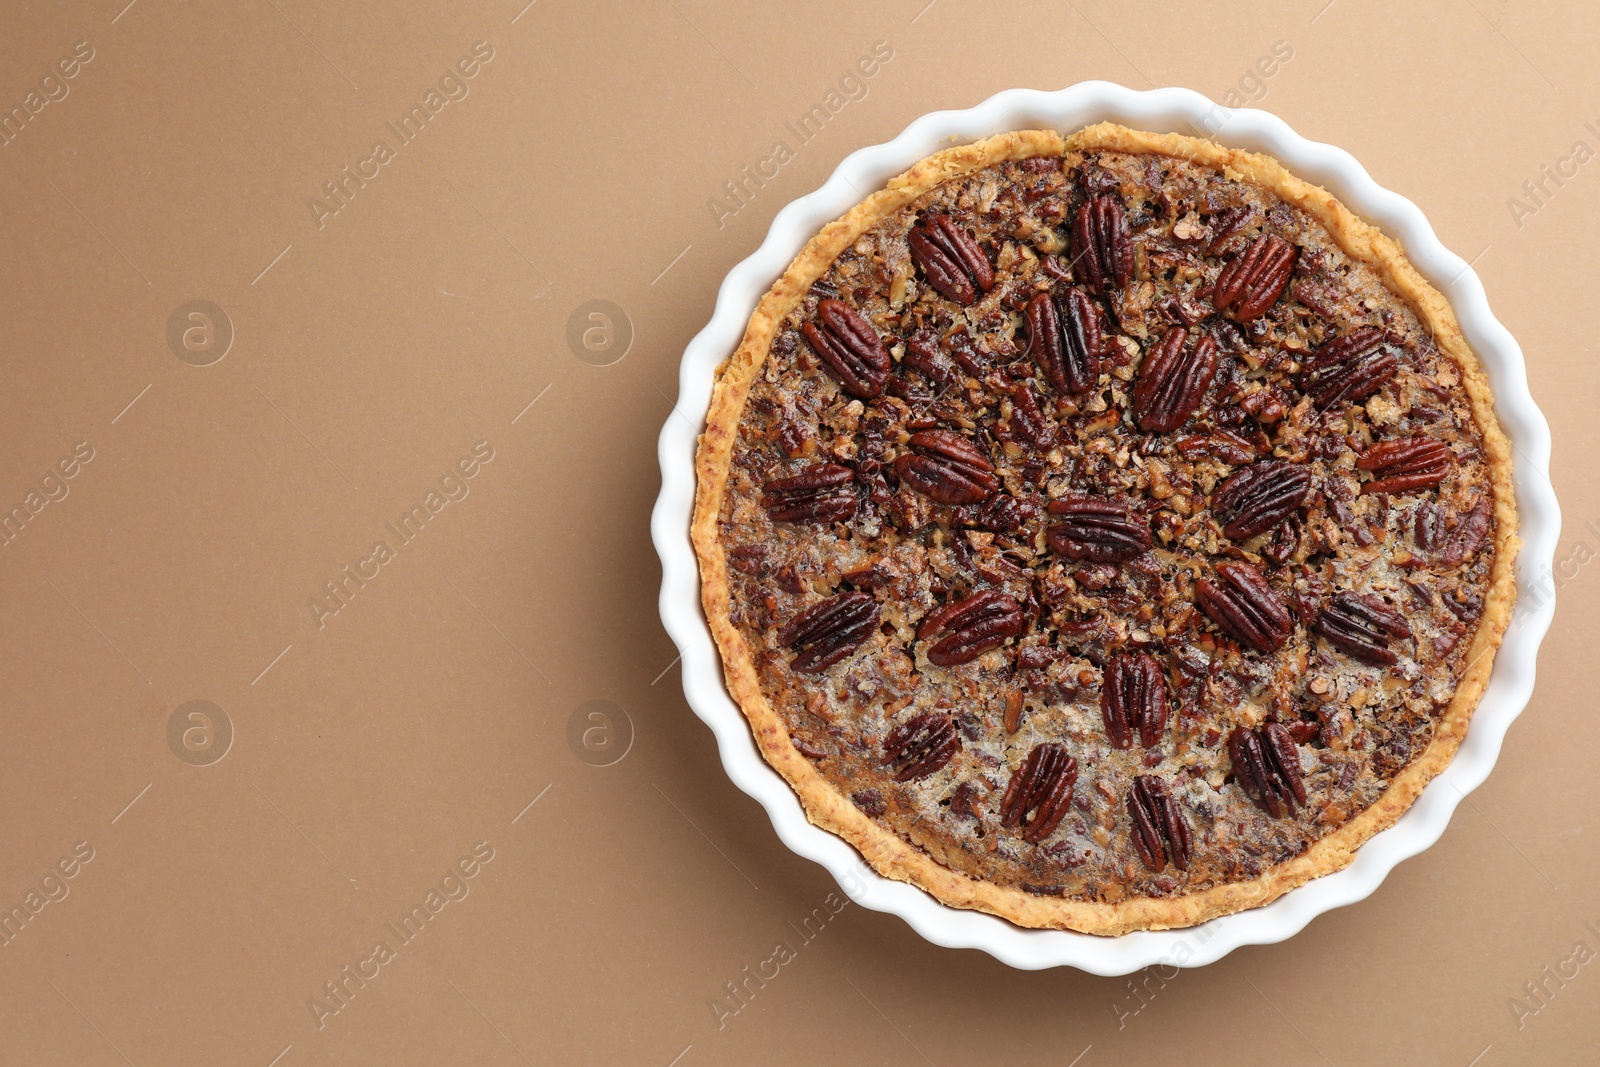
(1468, 538)
(1100, 531)
(1225, 445)
(1401, 465)
(870, 801)
(1172, 381)
(821, 493)
(1361, 625)
(829, 630)
(1266, 764)
(1343, 349)
(1284, 542)
(971, 627)
(950, 259)
(947, 467)
(1242, 603)
(1226, 225)
(1350, 368)
(1427, 526)
(1252, 282)
(1102, 252)
(1159, 829)
(1027, 420)
(1068, 344)
(919, 746)
(1134, 696)
(1040, 792)
(923, 356)
(1001, 514)
(849, 347)
(1258, 497)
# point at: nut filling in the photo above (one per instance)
(1104, 529)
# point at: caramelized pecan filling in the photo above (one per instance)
(1103, 530)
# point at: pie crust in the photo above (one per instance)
(888, 852)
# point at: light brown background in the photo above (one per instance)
(372, 353)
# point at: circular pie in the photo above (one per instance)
(1105, 531)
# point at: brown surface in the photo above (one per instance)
(421, 319)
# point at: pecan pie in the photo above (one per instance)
(1105, 531)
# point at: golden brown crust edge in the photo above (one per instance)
(893, 857)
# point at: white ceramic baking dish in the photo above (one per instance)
(1162, 110)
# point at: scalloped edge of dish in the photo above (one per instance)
(1510, 684)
